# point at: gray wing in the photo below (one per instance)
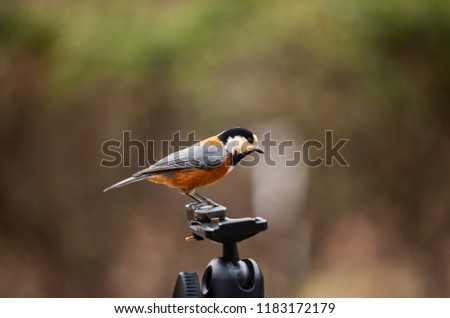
(202, 156)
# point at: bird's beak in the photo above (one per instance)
(258, 149)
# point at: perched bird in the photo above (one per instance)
(200, 164)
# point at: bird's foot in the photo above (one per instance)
(208, 201)
(211, 202)
(201, 199)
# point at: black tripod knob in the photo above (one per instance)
(187, 286)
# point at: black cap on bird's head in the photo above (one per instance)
(239, 142)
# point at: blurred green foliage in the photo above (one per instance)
(74, 74)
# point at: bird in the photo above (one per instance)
(201, 164)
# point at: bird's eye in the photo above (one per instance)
(250, 139)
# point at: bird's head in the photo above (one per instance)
(239, 142)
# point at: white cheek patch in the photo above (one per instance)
(236, 144)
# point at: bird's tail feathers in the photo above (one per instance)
(125, 182)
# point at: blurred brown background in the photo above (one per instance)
(74, 74)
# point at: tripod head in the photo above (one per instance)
(226, 276)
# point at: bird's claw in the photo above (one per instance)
(211, 202)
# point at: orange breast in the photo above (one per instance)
(191, 179)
